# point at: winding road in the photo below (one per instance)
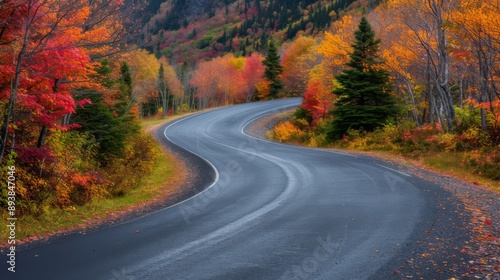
(267, 211)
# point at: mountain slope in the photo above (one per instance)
(191, 30)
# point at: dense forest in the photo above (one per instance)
(193, 30)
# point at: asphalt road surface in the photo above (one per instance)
(267, 211)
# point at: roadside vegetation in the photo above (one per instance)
(72, 98)
(142, 181)
(366, 116)
(469, 154)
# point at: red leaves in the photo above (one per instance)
(83, 102)
(31, 156)
(51, 64)
(227, 79)
(317, 101)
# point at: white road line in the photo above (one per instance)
(397, 171)
(278, 143)
(217, 174)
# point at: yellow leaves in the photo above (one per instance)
(337, 44)
(286, 130)
(125, 173)
(475, 19)
(263, 88)
(336, 48)
(237, 62)
(399, 59)
(298, 59)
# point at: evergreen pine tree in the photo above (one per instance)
(273, 70)
(364, 97)
(126, 80)
(122, 107)
(98, 120)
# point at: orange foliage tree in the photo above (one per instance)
(299, 58)
(227, 80)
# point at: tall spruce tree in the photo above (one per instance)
(273, 70)
(364, 97)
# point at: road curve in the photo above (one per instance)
(268, 211)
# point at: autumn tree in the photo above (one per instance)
(41, 63)
(143, 69)
(253, 72)
(364, 96)
(476, 46)
(318, 101)
(428, 24)
(299, 58)
(273, 71)
(402, 58)
(46, 48)
(336, 45)
(226, 80)
(204, 80)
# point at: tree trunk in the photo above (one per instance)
(413, 104)
(42, 136)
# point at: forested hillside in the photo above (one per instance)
(188, 31)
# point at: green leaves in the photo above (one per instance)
(273, 71)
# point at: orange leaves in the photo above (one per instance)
(51, 62)
(484, 105)
(335, 47)
(298, 60)
(228, 79)
(263, 89)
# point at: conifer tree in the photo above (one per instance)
(124, 103)
(364, 97)
(273, 70)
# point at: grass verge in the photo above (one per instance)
(446, 163)
(164, 181)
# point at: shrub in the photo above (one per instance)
(286, 131)
(126, 172)
(485, 163)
